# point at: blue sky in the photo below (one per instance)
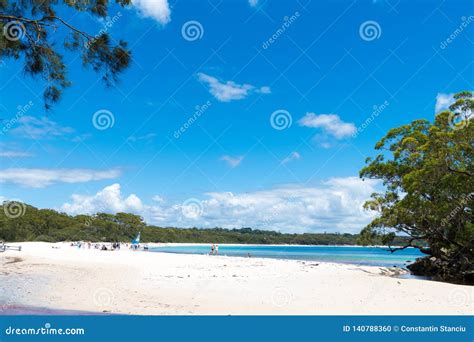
(326, 67)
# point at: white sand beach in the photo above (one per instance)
(59, 276)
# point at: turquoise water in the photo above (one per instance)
(372, 256)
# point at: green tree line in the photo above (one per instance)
(28, 223)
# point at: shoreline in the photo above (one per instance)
(162, 244)
(20, 310)
(398, 270)
(402, 262)
(59, 277)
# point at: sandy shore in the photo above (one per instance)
(61, 277)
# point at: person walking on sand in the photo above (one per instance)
(212, 250)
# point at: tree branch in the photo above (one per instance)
(460, 172)
(85, 34)
(410, 244)
(41, 22)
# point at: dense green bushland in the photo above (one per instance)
(34, 224)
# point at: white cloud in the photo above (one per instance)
(334, 205)
(329, 123)
(264, 90)
(155, 9)
(253, 3)
(324, 141)
(14, 154)
(293, 156)
(108, 200)
(232, 161)
(39, 128)
(158, 199)
(443, 101)
(40, 178)
(229, 91)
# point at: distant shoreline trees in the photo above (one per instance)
(27, 223)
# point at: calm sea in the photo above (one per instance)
(373, 256)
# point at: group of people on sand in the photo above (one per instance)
(214, 249)
(114, 246)
(89, 245)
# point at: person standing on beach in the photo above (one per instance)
(212, 250)
(217, 249)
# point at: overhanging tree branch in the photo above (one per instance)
(43, 22)
(33, 35)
